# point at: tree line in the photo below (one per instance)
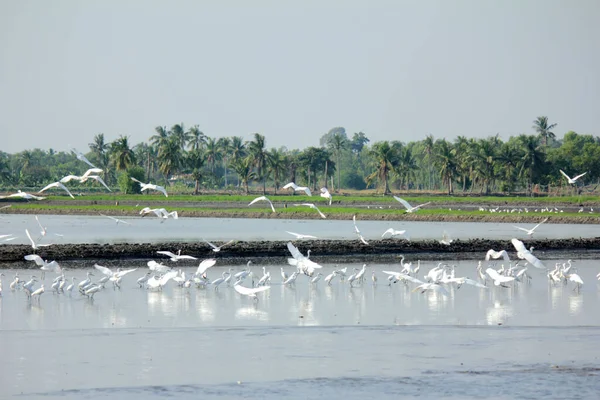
(187, 156)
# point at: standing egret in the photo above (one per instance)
(38, 292)
(316, 278)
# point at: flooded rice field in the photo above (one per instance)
(527, 340)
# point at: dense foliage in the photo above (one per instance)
(189, 158)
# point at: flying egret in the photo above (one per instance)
(97, 179)
(409, 208)
(298, 188)
(87, 173)
(393, 232)
(325, 193)
(301, 236)
(204, 265)
(446, 240)
(113, 276)
(23, 195)
(496, 254)
(572, 181)
(262, 198)
(305, 265)
(250, 292)
(176, 257)
(57, 185)
(311, 205)
(34, 245)
(146, 186)
(530, 231)
(44, 230)
(357, 231)
(216, 248)
(81, 157)
(158, 267)
(499, 280)
(431, 287)
(117, 220)
(525, 254)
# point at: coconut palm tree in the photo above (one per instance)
(99, 149)
(385, 158)
(508, 156)
(337, 143)
(196, 138)
(196, 160)
(532, 158)
(277, 164)
(244, 168)
(182, 136)
(483, 154)
(212, 152)
(428, 145)
(544, 129)
(257, 151)
(445, 160)
(224, 144)
(170, 156)
(161, 136)
(121, 154)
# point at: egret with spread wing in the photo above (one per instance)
(146, 186)
(262, 198)
(409, 208)
(572, 181)
(298, 188)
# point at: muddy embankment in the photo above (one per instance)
(275, 252)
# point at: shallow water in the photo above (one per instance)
(305, 341)
(98, 229)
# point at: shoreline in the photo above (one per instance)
(276, 252)
(367, 216)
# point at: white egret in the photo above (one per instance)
(22, 195)
(204, 265)
(216, 248)
(301, 236)
(530, 231)
(159, 212)
(85, 282)
(316, 278)
(298, 188)
(97, 179)
(496, 254)
(575, 278)
(305, 265)
(330, 277)
(117, 220)
(34, 245)
(572, 181)
(431, 287)
(446, 240)
(374, 278)
(525, 254)
(71, 285)
(81, 157)
(142, 281)
(243, 274)
(113, 276)
(292, 278)
(357, 231)
(499, 280)
(57, 185)
(325, 193)
(87, 173)
(38, 292)
(146, 186)
(220, 280)
(176, 257)
(311, 205)
(409, 208)
(393, 232)
(262, 198)
(43, 230)
(158, 267)
(92, 290)
(250, 292)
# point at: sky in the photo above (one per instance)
(292, 70)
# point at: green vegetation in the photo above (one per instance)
(188, 161)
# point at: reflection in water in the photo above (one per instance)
(575, 303)
(252, 312)
(498, 313)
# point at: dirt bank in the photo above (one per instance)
(327, 251)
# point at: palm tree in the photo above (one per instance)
(277, 164)
(121, 154)
(483, 155)
(170, 156)
(196, 160)
(532, 158)
(508, 157)
(337, 143)
(543, 129)
(224, 144)
(407, 165)
(196, 138)
(146, 156)
(212, 152)
(386, 159)
(428, 145)
(100, 150)
(182, 136)
(161, 137)
(445, 160)
(258, 152)
(244, 168)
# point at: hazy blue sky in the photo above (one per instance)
(292, 70)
